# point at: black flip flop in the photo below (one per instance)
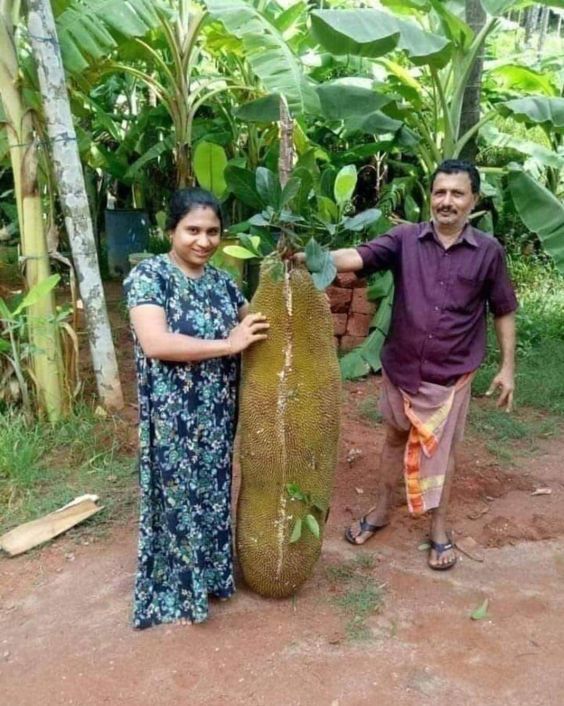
(441, 549)
(365, 526)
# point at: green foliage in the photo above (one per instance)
(373, 33)
(308, 521)
(541, 212)
(210, 162)
(90, 32)
(15, 347)
(270, 56)
(366, 357)
(540, 338)
(320, 263)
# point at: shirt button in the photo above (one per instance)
(437, 308)
(430, 335)
(441, 283)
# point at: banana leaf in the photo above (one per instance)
(541, 212)
(268, 53)
(373, 33)
(90, 31)
(536, 110)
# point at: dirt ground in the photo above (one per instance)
(65, 635)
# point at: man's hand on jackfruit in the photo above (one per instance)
(252, 329)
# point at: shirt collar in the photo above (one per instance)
(466, 236)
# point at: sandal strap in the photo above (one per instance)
(441, 548)
(366, 526)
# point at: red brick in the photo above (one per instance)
(360, 304)
(358, 324)
(350, 342)
(339, 324)
(349, 280)
(339, 299)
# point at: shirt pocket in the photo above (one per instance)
(465, 293)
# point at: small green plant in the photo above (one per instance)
(309, 521)
(17, 379)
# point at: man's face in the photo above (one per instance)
(452, 199)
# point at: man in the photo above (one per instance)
(447, 274)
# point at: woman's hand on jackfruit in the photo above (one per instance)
(253, 328)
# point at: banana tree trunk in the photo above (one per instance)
(47, 361)
(72, 192)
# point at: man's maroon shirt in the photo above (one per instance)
(438, 329)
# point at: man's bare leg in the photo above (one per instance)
(391, 468)
(439, 518)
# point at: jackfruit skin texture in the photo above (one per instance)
(289, 430)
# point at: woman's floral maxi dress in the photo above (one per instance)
(186, 430)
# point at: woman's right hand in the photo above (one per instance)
(252, 329)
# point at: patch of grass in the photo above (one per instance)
(501, 453)
(42, 467)
(369, 409)
(497, 424)
(360, 595)
(508, 434)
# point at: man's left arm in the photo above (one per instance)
(505, 379)
(502, 303)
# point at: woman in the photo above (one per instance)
(185, 316)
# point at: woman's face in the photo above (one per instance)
(196, 237)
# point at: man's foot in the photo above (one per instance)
(361, 530)
(441, 554)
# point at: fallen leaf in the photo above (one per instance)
(424, 546)
(542, 491)
(100, 412)
(360, 491)
(481, 612)
(470, 547)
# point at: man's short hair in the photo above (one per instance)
(455, 166)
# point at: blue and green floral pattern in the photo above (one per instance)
(186, 430)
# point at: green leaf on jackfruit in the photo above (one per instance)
(297, 531)
(313, 525)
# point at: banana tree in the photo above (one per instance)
(441, 58)
(19, 122)
(170, 61)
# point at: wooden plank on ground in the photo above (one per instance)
(31, 534)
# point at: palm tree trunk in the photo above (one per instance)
(531, 23)
(470, 113)
(72, 192)
(543, 28)
(43, 332)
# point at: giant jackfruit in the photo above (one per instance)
(289, 429)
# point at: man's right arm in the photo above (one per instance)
(378, 254)
(347, 260)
